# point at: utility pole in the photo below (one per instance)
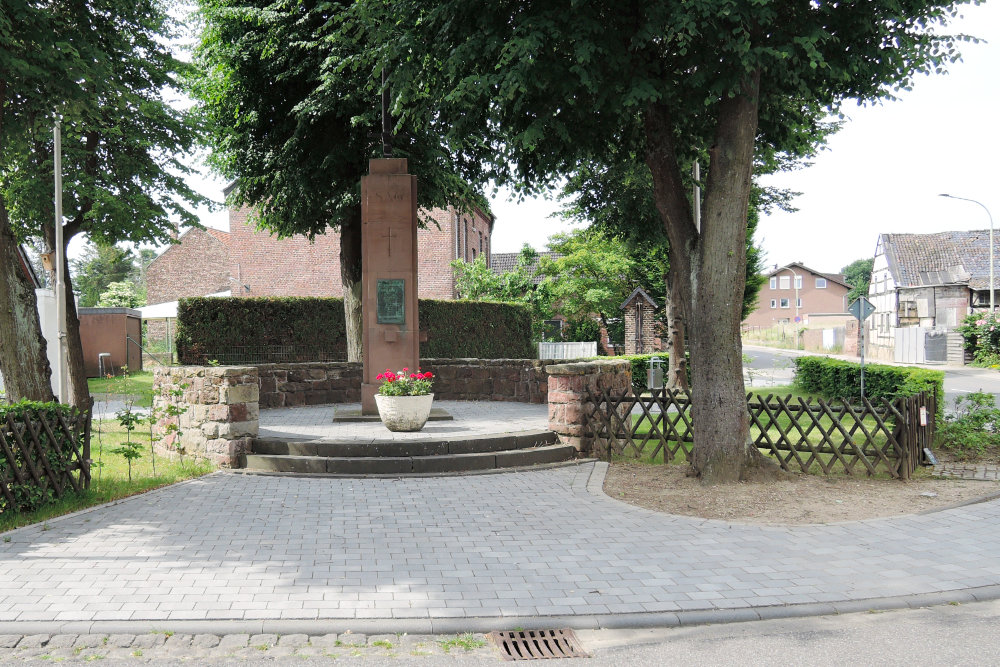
(60, 282)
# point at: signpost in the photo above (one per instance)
(862, 309)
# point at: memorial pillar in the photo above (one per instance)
(390, 323)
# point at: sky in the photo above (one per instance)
(882, 172)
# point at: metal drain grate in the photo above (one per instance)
(537, 644)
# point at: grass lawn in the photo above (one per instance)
(137, 384)
(110, 479)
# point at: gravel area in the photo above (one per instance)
(802, 499)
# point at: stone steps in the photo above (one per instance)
(408, 457)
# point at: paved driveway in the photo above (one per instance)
(516, 544)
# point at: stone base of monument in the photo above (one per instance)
(407, 457)
(355, 416)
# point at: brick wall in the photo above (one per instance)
(646, 342)
(521, 380)
(196, 266)
(262, 265)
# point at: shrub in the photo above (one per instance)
(835, 378)
(982, 337)
(59, 454)
(257, 330)
(974, 429)
(475, 330)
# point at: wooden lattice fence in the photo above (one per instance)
(44, 454)
(805, 435)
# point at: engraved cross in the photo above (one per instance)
(389, 233)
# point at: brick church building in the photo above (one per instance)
(251, 263)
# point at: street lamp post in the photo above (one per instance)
(992, 305)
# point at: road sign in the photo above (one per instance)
(862, 309)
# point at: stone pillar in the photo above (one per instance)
(568, 402)
(221, 411)
(390, 322)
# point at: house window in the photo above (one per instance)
(821, 283)
(798, 303)
(798, 282)
(785, 282)
(774, 284)
(774, 303)
(784, 303)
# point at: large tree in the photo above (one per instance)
(294, 121)
(104, 66)
(615, 194)
(530, 88)
(858, 274)
(99, 266)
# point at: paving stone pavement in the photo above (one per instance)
(420, 554)
(471, 418)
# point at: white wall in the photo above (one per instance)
(47, 318)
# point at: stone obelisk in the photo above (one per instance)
(390, 323)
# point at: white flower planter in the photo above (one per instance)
(404, 413)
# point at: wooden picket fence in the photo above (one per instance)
(806, 435)
(44, 454)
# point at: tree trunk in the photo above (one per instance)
(79, 392)
(350, 276)
(710, 277)
(24, 358)
(677, 377)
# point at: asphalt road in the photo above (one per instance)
(769, 363)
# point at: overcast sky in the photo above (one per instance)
(881, 173)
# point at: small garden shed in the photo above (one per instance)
(111, 339)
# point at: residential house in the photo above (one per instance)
(794, 293)
(251, 262)
(922, 287)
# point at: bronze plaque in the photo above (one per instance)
(390, 301)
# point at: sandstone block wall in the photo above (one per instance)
(221, 416)
(568, 399)
(521, 380)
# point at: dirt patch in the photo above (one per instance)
(800, 499)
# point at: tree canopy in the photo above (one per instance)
(529, 90)
(105, 69)
(857, 274)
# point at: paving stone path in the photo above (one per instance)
(503, 549)
(471, 418)
(243, 648)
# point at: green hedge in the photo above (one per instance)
(59, 454)
(257, 330)
(475, 330)
(835, 378)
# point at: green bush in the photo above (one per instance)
(59, 454)
(835, 378)
(974, 429)
(982, 337)
(271, 329)
(475, 330)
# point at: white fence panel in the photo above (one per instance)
(910, 345)
(567, 350)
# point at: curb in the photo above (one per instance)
(450, 626)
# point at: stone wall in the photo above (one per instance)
(567, 396)
(221, 411)
(521, 380)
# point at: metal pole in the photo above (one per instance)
(990, 216)
(60, 264)
(696, 203)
